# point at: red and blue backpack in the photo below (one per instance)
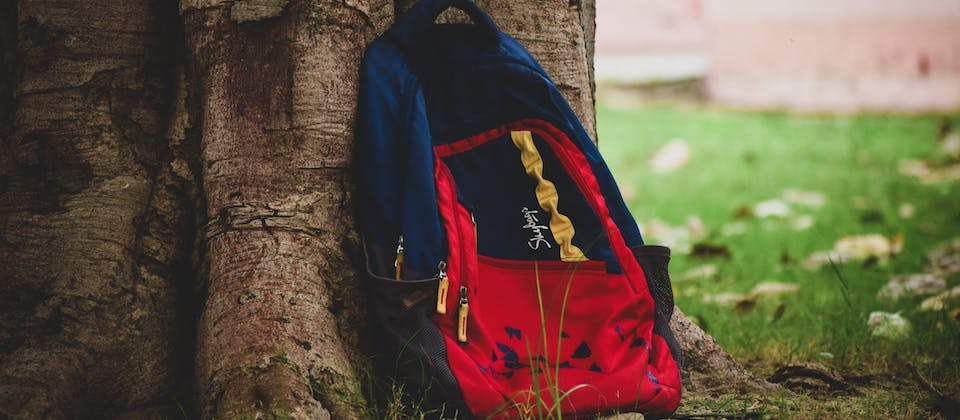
(504, 271)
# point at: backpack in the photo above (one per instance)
(504, 274)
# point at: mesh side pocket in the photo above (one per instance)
(654, 260)
(408, 346)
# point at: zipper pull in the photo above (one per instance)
(463, 311)
(443, 288)
(476, 233)
(398, 263)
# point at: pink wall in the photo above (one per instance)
(849, 55)
(629, 26)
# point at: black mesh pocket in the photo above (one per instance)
(654, 260)
(408, 345)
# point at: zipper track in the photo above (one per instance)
(545, 265)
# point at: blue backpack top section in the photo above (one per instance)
(425, 84)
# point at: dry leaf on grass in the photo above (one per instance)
(945, 259)
(771, 208)
(950, 145)
(744, 303)
(773, 288)
(923, 284)
(801, 222)
(929, 174)
(861, 247)
(906, 211)
(672, 156)
(628, 191)
(707, 250)
(699, 272)
(819, 259)
(725, 298)
(888, 325)
(679, 238)
(858, 248)
(814, 199)
(734, 228)
(938, 302)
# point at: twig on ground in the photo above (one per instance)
(923, 381)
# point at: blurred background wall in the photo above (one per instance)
(812, 55)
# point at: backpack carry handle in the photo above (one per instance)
(424, 12)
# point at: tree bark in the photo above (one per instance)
(175, 206)
(92, 219)
(276, 87)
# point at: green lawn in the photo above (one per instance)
(740, 159)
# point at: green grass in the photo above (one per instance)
(739, 159)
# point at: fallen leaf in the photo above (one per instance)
(696, 227)
(955, 314)
(896, 244)
(745, 305)
(706, 250)
(888, 325)
(773, 289)
(870, 249)
(725, 298)
(938, 302)
(771, 208)
(778, 313)
(628, 191)
(733, 229)
(815, 199)
(913, 285)
(672, 156)
(914, 168)
(862, 247)
(928, 174)
(950, 145)
(945, 259)
(785, 258)
(932, 303)
(871, 216)
(679, 238)
(699, 272)
(802, 222)
(819, 259)
(743, 212)
(906, 211)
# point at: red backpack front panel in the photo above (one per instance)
(538, 326)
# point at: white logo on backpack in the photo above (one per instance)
(536, 229)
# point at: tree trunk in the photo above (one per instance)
(174, 202)
(275, 86)
(93, 221)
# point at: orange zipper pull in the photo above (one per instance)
(462, 313)
(442, 289)
(398, 263)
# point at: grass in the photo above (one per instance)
(739, 159)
